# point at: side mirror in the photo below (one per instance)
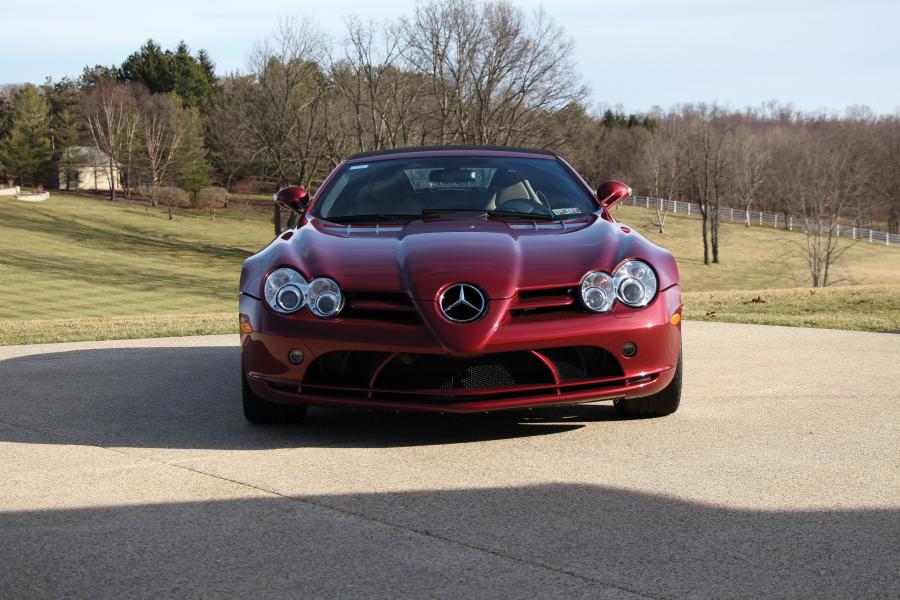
(612, 192)
(293, 197)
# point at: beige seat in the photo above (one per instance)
(516, 191)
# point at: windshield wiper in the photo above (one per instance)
(443, 211)
(377, 218)
(491, 213)
(522, 215)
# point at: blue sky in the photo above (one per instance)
(637, 53)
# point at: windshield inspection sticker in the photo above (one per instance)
(566, 211)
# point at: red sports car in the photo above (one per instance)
(458, 279)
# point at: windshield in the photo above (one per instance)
(410, 187)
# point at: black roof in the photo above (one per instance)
(439, 148)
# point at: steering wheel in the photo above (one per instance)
(522, 205)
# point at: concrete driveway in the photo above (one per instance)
(127, 471)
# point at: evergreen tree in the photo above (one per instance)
(67, 132)
(26, 149)
(163, 71)
(65, 127)
(92, 76)
(150, 65)
(192, 170)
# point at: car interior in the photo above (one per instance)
(410, 189)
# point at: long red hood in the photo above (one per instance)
(424, 256)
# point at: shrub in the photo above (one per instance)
(209, 198)
(172, 197)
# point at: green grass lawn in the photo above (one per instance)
(77, 268)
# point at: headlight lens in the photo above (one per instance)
(597, 291)
(286, 291)
(635, 283)
(325, 297)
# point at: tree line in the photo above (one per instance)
(451, 72)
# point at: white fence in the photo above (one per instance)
(764, 219)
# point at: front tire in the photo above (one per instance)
(660, 404)
(263, 412)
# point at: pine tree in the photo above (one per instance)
(192, 170)
(26, 150)
(163, 71)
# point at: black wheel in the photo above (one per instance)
(660, 404)
(263, 412)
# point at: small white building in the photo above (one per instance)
(86, 168)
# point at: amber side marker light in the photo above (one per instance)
(676, 319)
(245, 327)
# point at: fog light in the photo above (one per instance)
(629, 349)
(295, 356)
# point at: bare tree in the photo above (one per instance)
(231, 150)
(661, 171)
(280, 108)
(109, 111)
(750, 167)
(495, 73)
(163, 128)
(380, 90)
(831, 187)
(703, 146)
(886, 176)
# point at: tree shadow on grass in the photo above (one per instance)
(124, 276)
(543, 541)
(190, 398)
(125, 238)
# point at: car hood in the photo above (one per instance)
(422, 257)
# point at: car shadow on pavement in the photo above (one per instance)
(190, 398)
(542, 541)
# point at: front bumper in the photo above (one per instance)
(525, 362)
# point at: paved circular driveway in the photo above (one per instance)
(127, 470)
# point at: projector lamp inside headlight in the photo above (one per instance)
(325, 297)
(635, 283)
(286, 290)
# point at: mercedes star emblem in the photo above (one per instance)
(463, 303)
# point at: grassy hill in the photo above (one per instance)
(81, 268)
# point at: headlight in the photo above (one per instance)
(286, 290)
(635, 283)
(597, 291)
(325, 297)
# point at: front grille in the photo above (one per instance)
(541, 301)
(583, 362)
(352, 371)
(441, 378)
(444, 376)
(380, 306)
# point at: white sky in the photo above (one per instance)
(637, 53)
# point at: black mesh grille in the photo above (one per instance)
(344, 368)
(493, 371)
(583, 362)
(440, 378)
